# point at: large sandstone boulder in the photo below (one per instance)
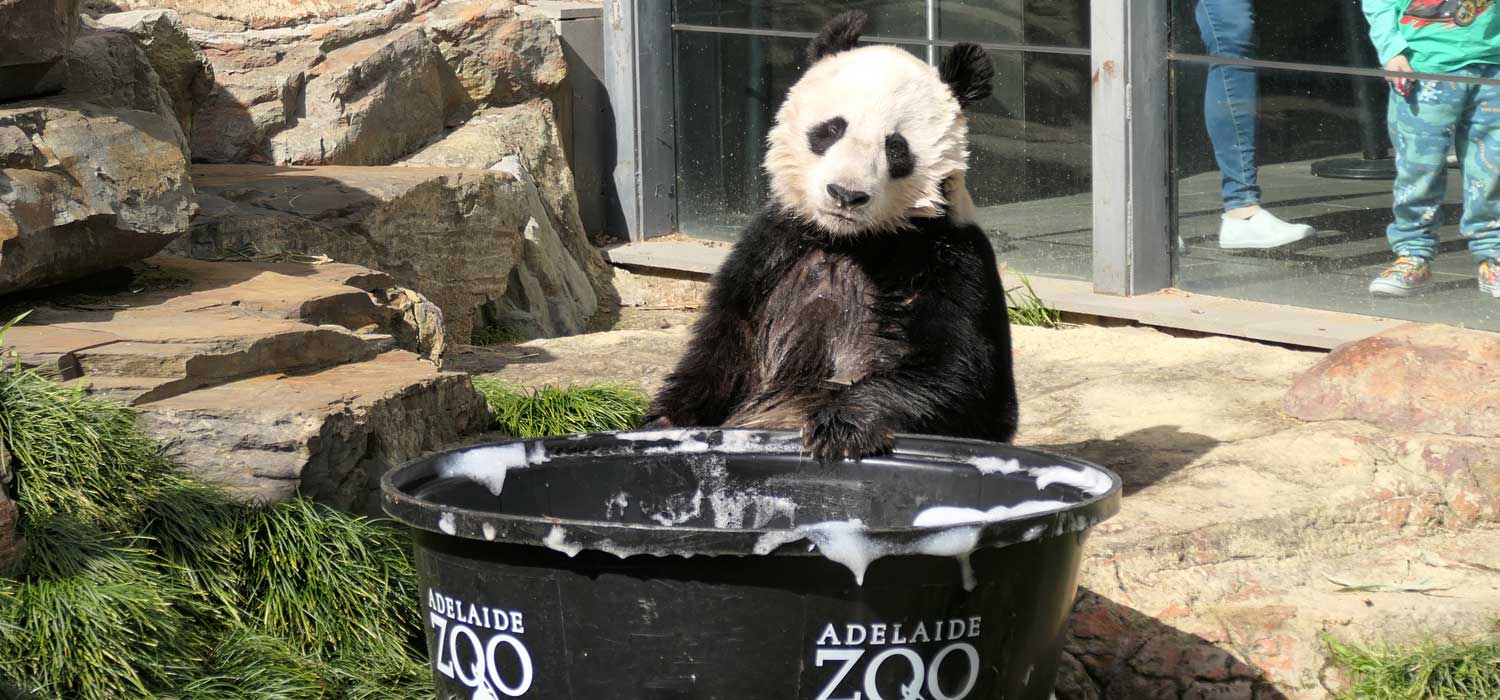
(183, 70)
(502, 52)
(85, 188)
(1416, 377)
(366, 84)
(267, 378)
(369, 103)
(239, 15)
(35, 35)
(256, 95)
(472, 241)
(528, 133)
(109, 67)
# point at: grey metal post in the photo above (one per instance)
(1132, 211)
(638, 74)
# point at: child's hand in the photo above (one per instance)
(1399, 64)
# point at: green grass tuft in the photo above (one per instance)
(138, 582)
(1429, 671)
(1028, 309)
(554, 411)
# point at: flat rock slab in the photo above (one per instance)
(1416, 377)
(478, 243)
(266, 378)
(1246, 533)
(329, 435)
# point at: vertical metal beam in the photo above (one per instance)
(930, 10)
(638, 74)
(1132, 212)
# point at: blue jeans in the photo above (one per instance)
(1229, 104)
(1423, 124)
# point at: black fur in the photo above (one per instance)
(820, 138)
(967, 71)
(840, 34)
(898, 157)
(850, 339)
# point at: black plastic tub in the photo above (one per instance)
(721, 564)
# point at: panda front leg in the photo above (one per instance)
(863, 419)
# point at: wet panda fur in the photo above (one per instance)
(863, 301)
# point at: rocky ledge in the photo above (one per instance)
(266, 378)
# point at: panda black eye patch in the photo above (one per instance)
(898, 156)
(822, 137)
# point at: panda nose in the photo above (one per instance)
(848, 199)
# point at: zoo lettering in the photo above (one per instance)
(849, 655)
(475, 662)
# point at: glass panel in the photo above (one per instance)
(1311, 123)
(1035, 22)
(1325, 33)
(1029, 143)
(1030, 163)
(728, 90)
(891, 18)
(1040, 22)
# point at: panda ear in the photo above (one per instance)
(967, 71)
(840, 34)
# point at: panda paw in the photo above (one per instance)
(656, 422)
(838, 433)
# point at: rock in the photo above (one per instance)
(501, 52)
(182, 68)
(11, 544)
(100, 186)
(261, 14)
(550, 293)
(268, 378)
(329, 435)
(526, 132)
(213, 322)
(256, 96)
(109, 67)
(644, 357)
(1416, 377)
(632, 292)
(36, 35)
(369, 103)
(421, 323)
(460, 237)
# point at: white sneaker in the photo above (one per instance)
(1263, 230)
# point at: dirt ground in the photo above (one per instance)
(1246, 535)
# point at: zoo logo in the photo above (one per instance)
(464, 655)
(921, 673)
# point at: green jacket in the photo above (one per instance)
(1437, 36)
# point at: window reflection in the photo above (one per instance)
(1361, 225)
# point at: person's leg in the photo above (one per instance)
(1230, 101)
(1478, 143)
(1421, 126)
(1231, 96)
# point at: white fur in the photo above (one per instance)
(878, 90)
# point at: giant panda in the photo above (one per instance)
(863, 301)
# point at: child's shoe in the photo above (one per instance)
(1489, 277)
(1405, 278)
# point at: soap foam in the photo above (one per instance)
(488, 465)
(943, 516)
(1090, 481)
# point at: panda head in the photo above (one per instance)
(871, 137)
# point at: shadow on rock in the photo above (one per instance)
(1142, 457)
(1114, 652)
